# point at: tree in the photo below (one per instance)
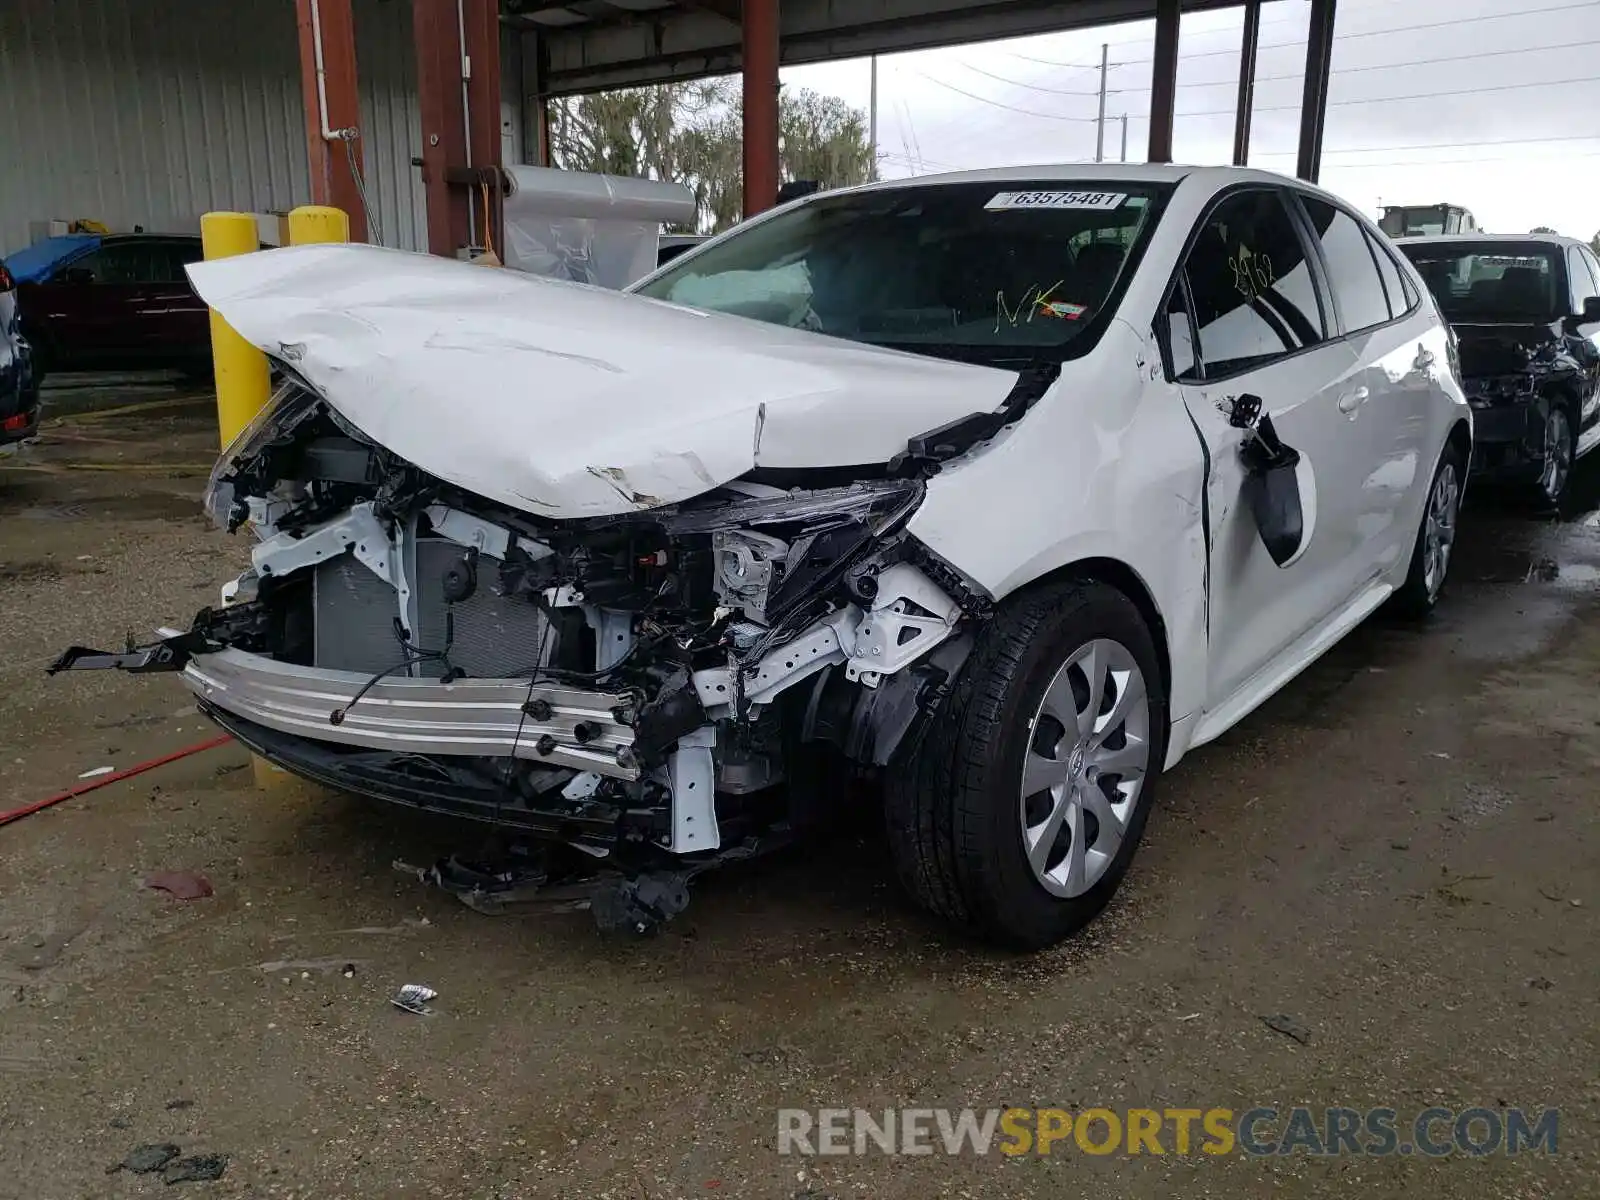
(1594, 243)
(692, 133)
(1541, 229)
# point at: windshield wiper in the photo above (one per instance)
(925, 452)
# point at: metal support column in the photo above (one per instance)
(332, 107)
(1164, 80)
(458, 93)
(535, 102)
(1247, 82)
(1314, 105)
(760, 24)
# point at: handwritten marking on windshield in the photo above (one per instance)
(1031, 300)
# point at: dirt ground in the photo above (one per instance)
(1399, 852)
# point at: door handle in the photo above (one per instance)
(1350, 401)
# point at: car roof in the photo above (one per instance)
(150, 237)
(1213, 179)
(1499, 239)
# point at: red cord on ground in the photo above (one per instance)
(28, 810)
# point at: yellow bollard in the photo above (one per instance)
(243, 379)
(311, 223)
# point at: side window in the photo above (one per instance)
(1579, 282)
(1400, 301)
(128, 262)
(1180, 334)
(1592, 266)
(1250, 286)
(1352, 272)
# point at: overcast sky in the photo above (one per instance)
(1505, 117)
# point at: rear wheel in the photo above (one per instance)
(1436, 539)
(1559, 445)
(1019, 812)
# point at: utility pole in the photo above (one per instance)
(1100, 122)
(872, 119)
(1124, 137)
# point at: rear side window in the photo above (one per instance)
(1353, 274)
(173, 257)
(1250, 290)
(1394, 288)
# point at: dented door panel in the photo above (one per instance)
(1258, 609)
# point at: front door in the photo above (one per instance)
(1248, 318)
(97, 310)
(1582, 283)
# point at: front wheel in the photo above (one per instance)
(1019, 812)
(1558, 452)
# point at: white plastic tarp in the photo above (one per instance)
(588, 228)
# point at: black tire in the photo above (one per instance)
(1418, 596)
(1560, 448)
(955, 824)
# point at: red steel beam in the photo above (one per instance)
(481, 26)
(1164, 81)
(760, 26)
(458, 45)
(331, 24)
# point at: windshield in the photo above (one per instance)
(984, 271)
(1492, 281)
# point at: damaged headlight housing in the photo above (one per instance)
(290, 405)
(773, 553)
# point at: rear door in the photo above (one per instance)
(1385, 412)
(179, 322)
(1248, 316)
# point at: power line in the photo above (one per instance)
(1027, 112)
(1228, 112)
(1446, 162)
(1133, 41)
(1422, 62)
(1346, 37)
(1474, 91)
(1519, 141)
(1039, 87)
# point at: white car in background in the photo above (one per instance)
(1010, 486)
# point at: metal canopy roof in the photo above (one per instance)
(591, 44)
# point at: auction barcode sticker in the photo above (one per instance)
(1003, 200)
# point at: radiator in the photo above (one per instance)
(494, 636)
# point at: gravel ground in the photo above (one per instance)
(1398, 853)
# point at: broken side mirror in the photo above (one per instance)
(1275, 480)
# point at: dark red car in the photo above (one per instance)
(119, 302)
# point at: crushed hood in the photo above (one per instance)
(1503, 349)
(570, 401)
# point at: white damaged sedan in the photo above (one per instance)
(1005, 488)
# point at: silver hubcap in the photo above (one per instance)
(1088, 753)
(1439, 528)
(1557, 454)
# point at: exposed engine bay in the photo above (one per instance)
(634, 687)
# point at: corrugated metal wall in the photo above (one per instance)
(386, 61)
(134, 112)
